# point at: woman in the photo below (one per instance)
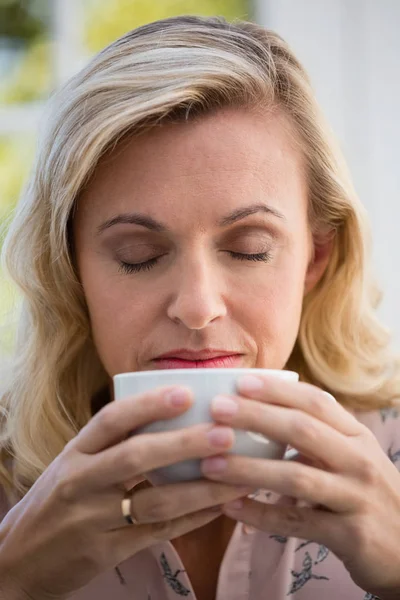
(187, 195)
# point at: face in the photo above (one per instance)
(195, 237)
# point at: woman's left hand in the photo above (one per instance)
(352, 486)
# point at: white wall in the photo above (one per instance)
(351, 49)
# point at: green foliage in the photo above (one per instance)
(31, 80)
(8, 308)
(18, 19)
(15, 160)
(109, 20)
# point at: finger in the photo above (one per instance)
(293, 427)
(166, 502)
(103, 511)
(321, 526)
(125, 542)
(289, 478)
(304, 460)
(116, 420)
(134, 481)
(147, 451)
(305, 397)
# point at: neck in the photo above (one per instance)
(216, 534)
(202, 551)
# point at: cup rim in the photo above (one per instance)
(194, 371)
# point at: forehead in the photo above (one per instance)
(226, 157)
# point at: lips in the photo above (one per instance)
(184, 358)
(205, 354)
(233, 360)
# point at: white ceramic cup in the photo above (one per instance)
(205, 383)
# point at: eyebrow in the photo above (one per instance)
(153, 225)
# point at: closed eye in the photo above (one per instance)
(129, 268)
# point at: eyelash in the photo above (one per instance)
(149, 264)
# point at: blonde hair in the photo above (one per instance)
(174, 69)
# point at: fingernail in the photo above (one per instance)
(223, 405)
(249, 383)
(177, 396)
(214, 464)
(220, 436)
(234, 505)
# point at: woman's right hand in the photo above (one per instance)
(69, 527)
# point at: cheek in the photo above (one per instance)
(274, 311)
(119, 319)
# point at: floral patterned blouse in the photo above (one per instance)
(257, 565)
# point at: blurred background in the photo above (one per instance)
(351, 49)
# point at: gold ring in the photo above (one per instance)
(126, 506)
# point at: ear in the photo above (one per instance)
(320, 256)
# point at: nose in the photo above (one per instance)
(197, 298)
